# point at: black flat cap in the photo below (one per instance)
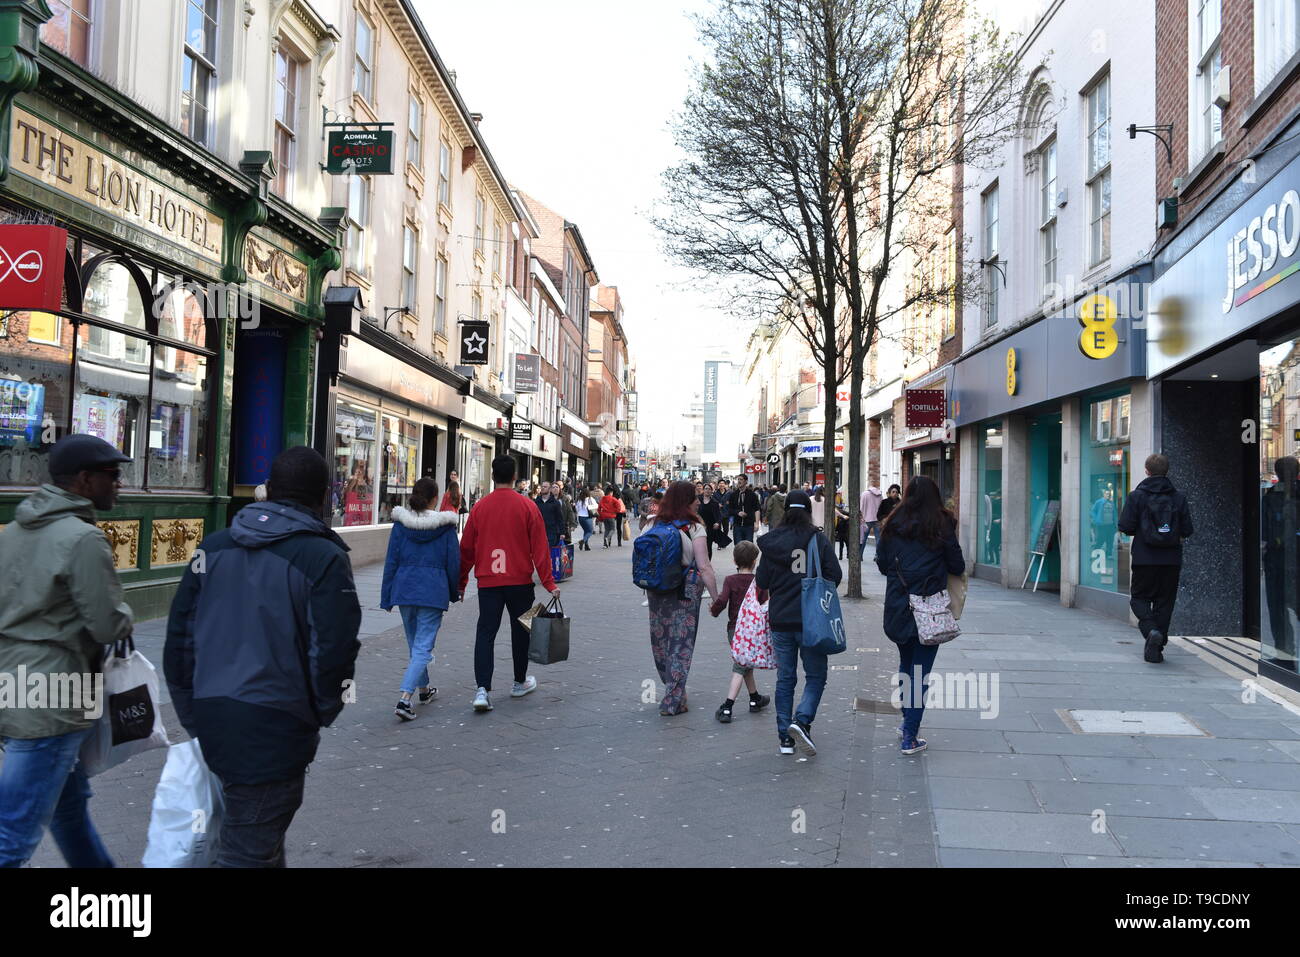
(80, 453)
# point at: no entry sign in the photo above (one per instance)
(31, 267)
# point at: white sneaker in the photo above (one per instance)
(481, 701)
(519, 690)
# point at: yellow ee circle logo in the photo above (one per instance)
(1012, 384)
(1098, 340)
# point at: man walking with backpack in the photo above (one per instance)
(1157, 516)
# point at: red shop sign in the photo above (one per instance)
(925, 408)
(31, 267)
(757, 468)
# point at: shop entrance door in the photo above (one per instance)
(1045, 486)
(429, 455)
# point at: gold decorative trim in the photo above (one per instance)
(175, 539)
(124, 540)
(275, 268)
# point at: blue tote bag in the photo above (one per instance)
(823, 623)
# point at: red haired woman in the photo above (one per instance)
(675, 615)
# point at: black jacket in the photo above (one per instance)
(778, 547)
(262, 642)
(744, 503)
(1130, 522)
(925, 570)
(552, 510)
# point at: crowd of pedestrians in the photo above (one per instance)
(261, 641)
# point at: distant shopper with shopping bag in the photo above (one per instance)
(789, 554)
(261, 651)
(61, 604)
(421, 578)
(917, 553)
(740, 594)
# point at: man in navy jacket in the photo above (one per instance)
(261, 648)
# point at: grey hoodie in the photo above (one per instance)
(60, 603)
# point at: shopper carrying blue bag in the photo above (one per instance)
(823, 622)
(799, 634)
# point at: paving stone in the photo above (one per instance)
(982, 795)
(1167, 771)
(1015, 831)
(1044, 742)
(1247, 804)
(1205, 840)
(1133, 800)
(975, 857)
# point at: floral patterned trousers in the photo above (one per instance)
(673, 624)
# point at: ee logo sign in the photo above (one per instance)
(1012, 385)
(1097, 316)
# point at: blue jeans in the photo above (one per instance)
(914, 662)
(421, 626)
(786, 645)
(587, 527)
(866, 533)
(42, 785)
(744, 532)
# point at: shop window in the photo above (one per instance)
(989, 529)
(1105, 478)
(1279, 482)
(180, 316)
(113, 293)
(178, 420)
(34, 394)
(401, 464)
(111, 389)
(68, 31)
(352, 498)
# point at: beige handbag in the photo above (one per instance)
(957, 593)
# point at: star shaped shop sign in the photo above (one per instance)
(474, 342)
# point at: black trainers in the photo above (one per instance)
(723, 714)
(1155, 642)
(787, 744)
(802, 735)
(759, 703)
(404, 710)
(427, 695)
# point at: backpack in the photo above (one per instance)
(657, 558)
(1160, 525)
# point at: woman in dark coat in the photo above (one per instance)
(918, 551)
(711, 512)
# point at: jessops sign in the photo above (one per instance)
(1237, 276)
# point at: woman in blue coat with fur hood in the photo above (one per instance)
(421, 577)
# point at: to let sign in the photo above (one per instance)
(528, 372)
(31, 267)
(363, 151)
(925, 408)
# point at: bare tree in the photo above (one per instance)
(816, 141)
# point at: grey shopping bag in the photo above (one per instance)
(549, 637)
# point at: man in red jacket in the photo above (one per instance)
(504, 540)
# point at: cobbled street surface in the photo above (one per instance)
(585, 772)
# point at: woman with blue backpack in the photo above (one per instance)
(670, 560)
(790, 551)
(917, 551)
(421, 577)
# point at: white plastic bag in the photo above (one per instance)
(187, 811)
(132, 720)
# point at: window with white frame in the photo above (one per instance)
(199, 78)
(479, 211)
(1047, 216)
(414, 131)
(476, 307)
(287, 69)
(68, 31)
(444, 173)
(1277, 38)
(991, 274)
(358, 221)
(1098, 181)
(440, 296)
(363, 63)
(1205, 60)
(496, 248)
(410, 261)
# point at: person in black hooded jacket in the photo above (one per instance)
(1157, 555)
(786, 561)
(261, 647)
(917, 552)
(552, 509)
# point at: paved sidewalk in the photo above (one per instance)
(586, 772)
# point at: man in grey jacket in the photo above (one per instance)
(60, 604)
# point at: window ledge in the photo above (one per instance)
(1270, 93)
(415, 179)
(1206, 163)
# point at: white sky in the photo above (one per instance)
(577, 96)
